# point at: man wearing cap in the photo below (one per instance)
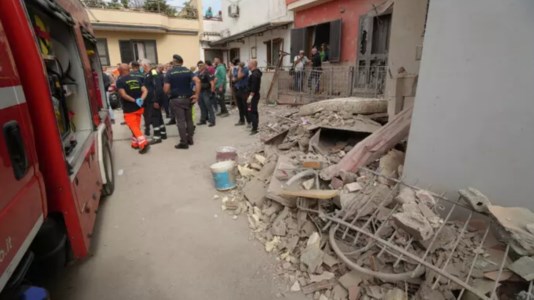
(133, 94)
(178, 87)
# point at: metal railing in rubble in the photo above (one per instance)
(333, 81)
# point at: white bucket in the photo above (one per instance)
(224, 175)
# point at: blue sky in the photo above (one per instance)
(215, 4)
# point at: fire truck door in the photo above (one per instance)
(22, 202)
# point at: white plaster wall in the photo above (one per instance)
(258, 42)
(473, 123)
(254, 13)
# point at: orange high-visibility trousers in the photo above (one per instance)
(133, 120)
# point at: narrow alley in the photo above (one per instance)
(161, 235)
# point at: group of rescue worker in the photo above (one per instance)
(145, 91)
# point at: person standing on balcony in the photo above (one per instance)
(300, 62)
(220, 86)
(209, 13)
(315, 76)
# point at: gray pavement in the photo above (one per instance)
(162, 236)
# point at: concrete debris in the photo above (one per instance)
(308, 184)
(478, 201)
(353, 187)
(324, 276)
(406, 195)
(350, 105)
(339, 293)
(280, 191)
(261, 159)
(312, 255)
(271, 245)
(389, 166)
(524, 267)
(245, 171)
(512, 227)
(395, 294)
(295, 287)
(318, 286)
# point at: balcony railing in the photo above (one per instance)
(188, 11)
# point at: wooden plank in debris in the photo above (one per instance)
(317, 286)
(312, 194)
(374, 146)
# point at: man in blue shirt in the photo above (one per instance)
(178, 87)
(240, 82)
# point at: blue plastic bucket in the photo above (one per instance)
(224, 175)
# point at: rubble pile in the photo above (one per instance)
(367, 235)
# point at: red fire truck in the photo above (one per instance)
(55, 137)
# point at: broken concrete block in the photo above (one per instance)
(414, 224)
(353, 187)
(389, 165)
(406, 195)
(432, 218)
(295, 287)
(324, 276)
(323, 297)
(329, 260)
(255, 192)
(478, 201)
(273, 209)
(312, 255)
(339, 293)
(351, 279)
(255, 166)
(426, 198)
(279, 226)
(308, 184)
(512, 227)
(395, 294)
(318, 286)
(260, 158)
(245, 171)
(311, 194)
(523, 267)
(273, 244)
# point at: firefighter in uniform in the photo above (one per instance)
(178, 86)
(133, 95)
(154, 102)
(137, 72)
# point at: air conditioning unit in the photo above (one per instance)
(233, 11)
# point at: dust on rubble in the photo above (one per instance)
(374, 237)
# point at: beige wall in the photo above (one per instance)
(130, 17)
(405, 44)
(167, 45)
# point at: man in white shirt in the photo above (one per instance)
(300, 62)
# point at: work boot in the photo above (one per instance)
(201, 123)
(155, 141)
(164, 136)
(171, 122)
(240, 123)
(254, 132)
(144, 150)
(211, 124)
(224, 115)
(182, 146)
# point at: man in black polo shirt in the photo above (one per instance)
(178, 86)
(133, 94)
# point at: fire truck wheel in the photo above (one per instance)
(109, 187)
